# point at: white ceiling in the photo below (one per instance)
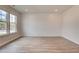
(42, 8)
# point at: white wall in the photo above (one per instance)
(42, 24)
(71, 24)
(46, 24)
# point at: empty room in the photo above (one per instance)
(39, 28)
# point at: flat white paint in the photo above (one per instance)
(41, 8)
(71, 24)
(41, 24)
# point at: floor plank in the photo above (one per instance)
(41, 45)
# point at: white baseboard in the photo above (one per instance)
(41, 36)
(70, 39)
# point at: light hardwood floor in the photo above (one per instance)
(40, 45)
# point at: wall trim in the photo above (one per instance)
(43, 36)
(70, 40)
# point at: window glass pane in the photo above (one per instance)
(3, 28)
(0, 17)
(13, 25)
(4, 16)
(12, 18)
(3, 23)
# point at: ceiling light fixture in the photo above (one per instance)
(56, 10)
(26, 10)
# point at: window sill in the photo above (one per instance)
(13, 33)
(7, 34)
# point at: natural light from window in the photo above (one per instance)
(3, 22)
(13, 24)
(8, 23)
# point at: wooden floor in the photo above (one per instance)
(40, 45)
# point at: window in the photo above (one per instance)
(3, 22)
(8, 23)
(13, 24)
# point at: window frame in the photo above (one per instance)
(5, 22)
(15, 23)
(8, 23)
